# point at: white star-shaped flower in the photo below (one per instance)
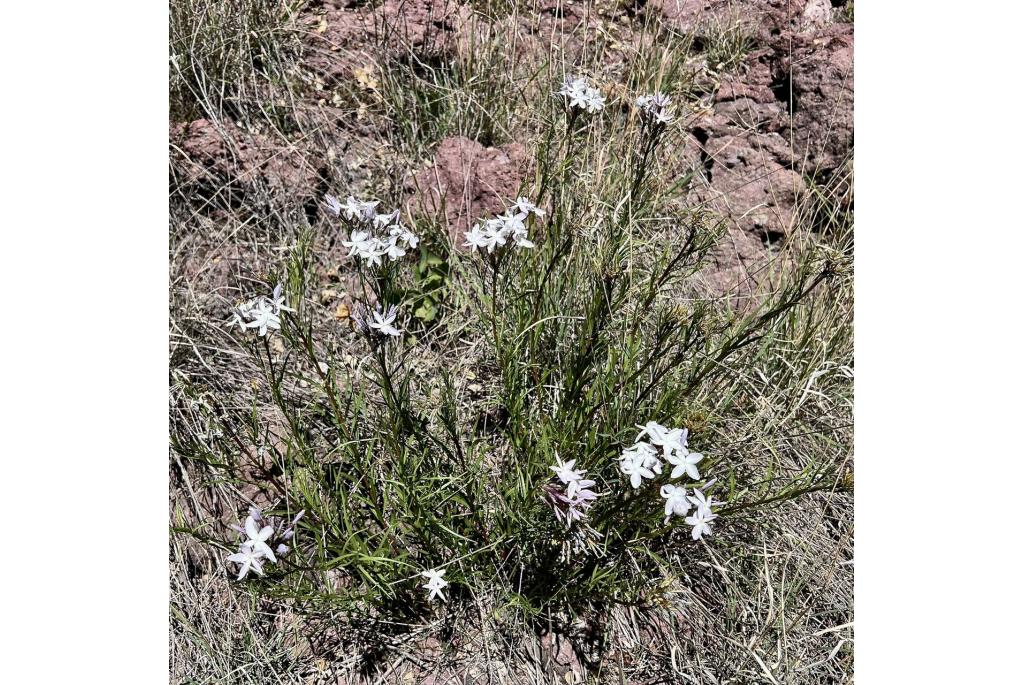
(385, 220)
(394, 251)
(360, 242)
(638, 462)
(701, 522)
(277, 300)
(524, 206)
(360, 211)
(578, 98)
(494, 236)
(575, 483)
(263, 317)
(333, 205)
(381, 321)
(663, 117)
(512, 223)
(258, 537)
(572, 85)
(475, 238)
(513, 226)
(655, 108)
(435, 583)
(239, 316)
(668, 440)
(661, 100)
(405, 235)
(248, 560)
(703, 502)
(374, 252)
(565, 471)
(675, 501)
(684, 462)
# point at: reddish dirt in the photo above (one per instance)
(467, 182)
(340, 37)
(222, 158)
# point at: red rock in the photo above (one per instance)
(821, 74)
(344, 39)
(222, 156)
(764, 20)
(750, 184)
(467, 181)
(785, 114)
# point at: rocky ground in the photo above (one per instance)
(769, 125)
(767, 130)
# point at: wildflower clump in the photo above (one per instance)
(509, 227)
(577, 93)
(641, 461)
(262, 313)
(400, 462)
(372, 236)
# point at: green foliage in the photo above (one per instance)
(430, 280)
(435, 453)
(726, 42)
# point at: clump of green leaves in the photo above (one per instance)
(430, 282)
(725, 42)
(433, 450)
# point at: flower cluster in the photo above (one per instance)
(435, 583)
(638, 462)
(262, 313)
(643, 460)
(578, 93)
(655, 109)
(511, 225)
(678, 502)
(574, 496)
(262, 542)
(378, 322)
(373, 236)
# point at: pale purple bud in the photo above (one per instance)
(333, 205)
